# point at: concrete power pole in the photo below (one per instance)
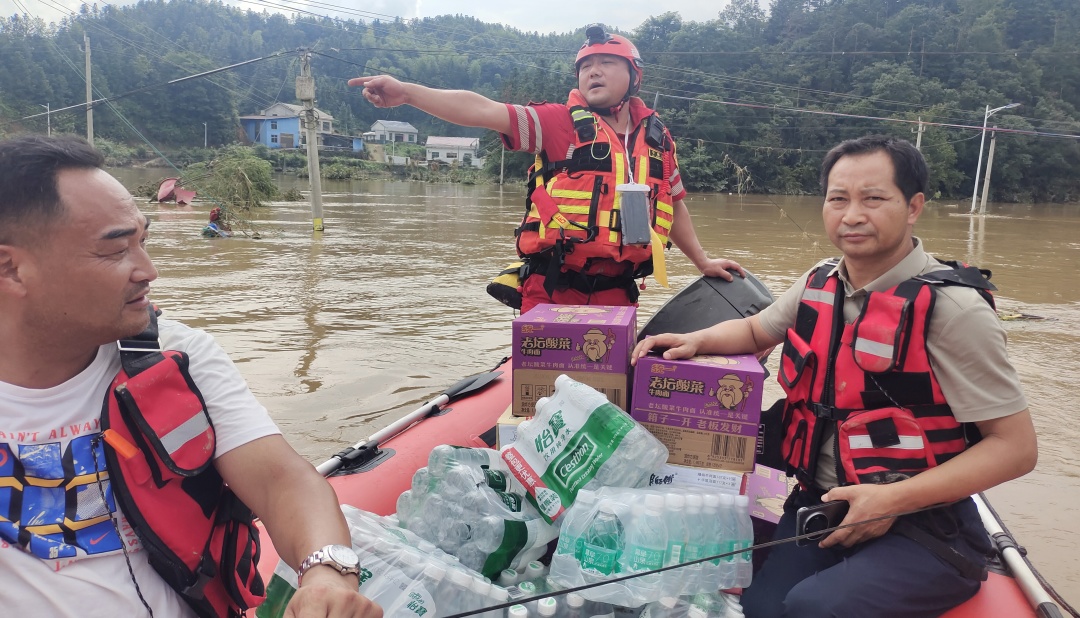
(989, 166)
(89, 93)
(918, 138)
(305, 91)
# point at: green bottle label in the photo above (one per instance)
(646, 558)
(596, 558)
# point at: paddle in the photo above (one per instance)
(464, 387)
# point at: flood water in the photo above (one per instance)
(342, 332)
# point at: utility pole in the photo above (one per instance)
(89, 93)
(918, 138)
(502, 161)
(989, 166)
(204, 135)
(305, 91)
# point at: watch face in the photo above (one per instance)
(343, 555)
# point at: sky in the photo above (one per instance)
(561, 16)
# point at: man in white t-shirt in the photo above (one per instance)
(74, 279)
(890, 357)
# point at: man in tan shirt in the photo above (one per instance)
(881, 403)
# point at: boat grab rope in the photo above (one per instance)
(564, 591)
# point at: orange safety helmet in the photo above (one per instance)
(600, 42)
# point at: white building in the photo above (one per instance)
(392, 131)
(460, 150)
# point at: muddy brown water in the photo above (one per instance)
(343, 332)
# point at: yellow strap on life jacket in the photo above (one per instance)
(572, 195)
(658, 261)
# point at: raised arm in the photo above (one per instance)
(461, 107)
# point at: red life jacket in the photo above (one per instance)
(871, 380)
(159, 448)
(572, 214)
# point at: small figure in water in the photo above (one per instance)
(217, 227)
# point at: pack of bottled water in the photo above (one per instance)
(705, 605)
(467, 504)
(579, 440)
(406, 575)
(616, 532)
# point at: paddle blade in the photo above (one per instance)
(471, 384)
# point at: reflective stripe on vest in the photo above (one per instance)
(579, 209)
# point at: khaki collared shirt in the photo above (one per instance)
(965, 343)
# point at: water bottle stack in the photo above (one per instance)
(617, 531)
(467, 504)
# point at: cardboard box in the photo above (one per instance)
(506, 427)
(589, 343)
(768, 489)
(670, 475)
(705, 410)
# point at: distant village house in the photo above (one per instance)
(278, 126)
(459, 150)
(383, 131)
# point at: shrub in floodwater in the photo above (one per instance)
(235, 178)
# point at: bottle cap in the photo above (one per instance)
(742, 501)
(480, 586)
(518, 611)
(696, 612)
(540, 403)
(528, 588)
(460, 577)
(654, 503)
(712, 500)
(547, 607)
(575, 600)
(669, 602)
(606, 507)
(534, 570)
(434, 571)
(727, 499)
(508, 577)
(675, 501)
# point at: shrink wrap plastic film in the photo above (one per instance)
(406, 575)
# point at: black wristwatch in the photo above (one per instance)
(340, 557)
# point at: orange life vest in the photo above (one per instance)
(572, 210)
(159, 448)
(871, 380)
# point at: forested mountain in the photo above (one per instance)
(751, 96)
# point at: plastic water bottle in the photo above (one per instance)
(666, 607)
(573, 525)
(441, 456)
(603, 543)
(744, 530)
(646, 546)
(496, 596)
(728, 535)
(508, 577)
(574, 606)
(697, 530)
(675, 520)
(547, 608)
(455, 592)
(535, 572)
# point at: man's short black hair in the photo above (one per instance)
(909, 167)
(29, 199)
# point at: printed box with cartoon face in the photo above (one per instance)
(705, 410)
(589, 343)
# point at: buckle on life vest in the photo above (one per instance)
(831, 413)
(206, 572)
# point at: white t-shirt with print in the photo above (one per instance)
(75, 566)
